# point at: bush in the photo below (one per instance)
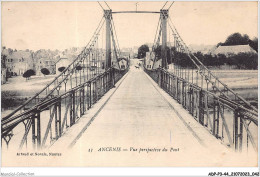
(78, 68)
(45, 71)
(27, 74)
(60, 69)
(32, 72)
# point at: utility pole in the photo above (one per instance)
(164, 18)
(136, 6)
(108, 16)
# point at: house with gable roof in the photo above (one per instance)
(233, 50)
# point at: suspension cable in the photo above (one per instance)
(164, 4)
(170, 47)
(113, 25)
(156, 32)
(107, 5)
(157, 43)
(114, 43)
(100, 5)
(183, 43)
(171, 5)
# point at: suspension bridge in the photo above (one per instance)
(153, 104)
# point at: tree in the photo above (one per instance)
(3, 61)
(60, 69)
(254, 44)
(220, 60)
(158, 53)
(10, 51)
(27, 74)
(245, 60)
(219, 44)
(142, 51)
(45, 71)
(236, 39)
(32, 72)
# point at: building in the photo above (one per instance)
(19, 62)
(45, 63)
(148, 62)
(157, 64)
(123, 63)
(202, 48)
(98, 60)
(125, 54)
(3, 68)
(3, 76)
(135, 51)
(233, 50)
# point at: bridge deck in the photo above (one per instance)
(140, 115)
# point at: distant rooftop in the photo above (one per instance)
(233, 49)
(19, 55)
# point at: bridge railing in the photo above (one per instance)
(204, 78)
(235, 125)
(45, 122)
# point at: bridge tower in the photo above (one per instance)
(164, 17)
(108, 17)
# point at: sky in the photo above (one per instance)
(60, 25)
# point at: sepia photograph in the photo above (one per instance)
(129, 84)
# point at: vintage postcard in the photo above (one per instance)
(129, 84)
